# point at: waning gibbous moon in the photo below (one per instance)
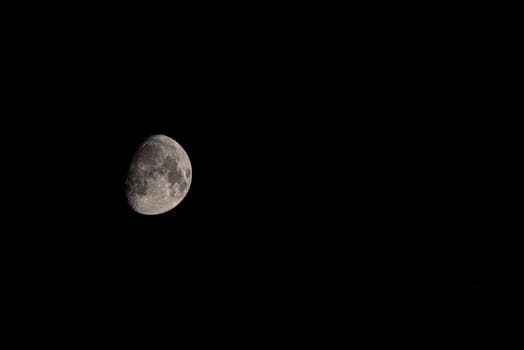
(159, 176)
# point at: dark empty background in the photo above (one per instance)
(334, 166)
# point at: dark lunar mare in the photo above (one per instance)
(175, 175)
(170, 163)
(182, 186)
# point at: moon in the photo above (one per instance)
(159, 176)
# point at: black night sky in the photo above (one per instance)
(323, 173)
